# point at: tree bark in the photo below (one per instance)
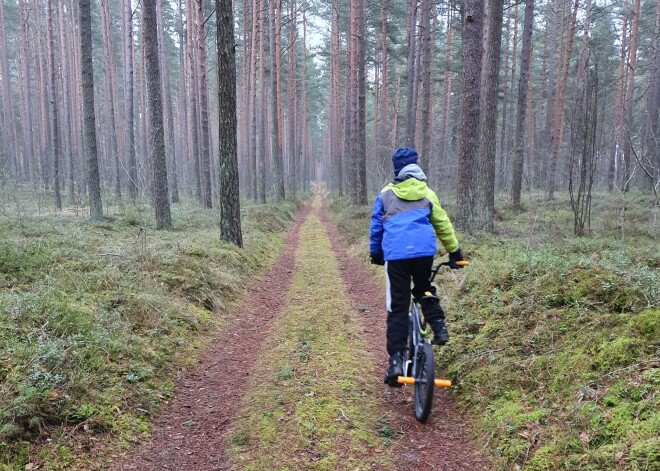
(87, 69)
(157, 159)
(523, 83)
(230, 211)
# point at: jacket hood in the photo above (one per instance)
(410, 184)
(410, 171)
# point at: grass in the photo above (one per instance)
(311, 407)
(97, 320)
(555, 338)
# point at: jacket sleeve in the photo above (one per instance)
(376, 228)
(441, 224)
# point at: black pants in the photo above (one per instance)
(399, 274)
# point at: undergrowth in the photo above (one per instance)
(555, 339)
(97, 320)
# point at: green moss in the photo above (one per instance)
(645, 455)
(569, 325)
(95, 318)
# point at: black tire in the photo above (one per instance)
(424, 381)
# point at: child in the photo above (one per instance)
(405, 221)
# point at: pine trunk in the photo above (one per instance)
(472, 30)
(205, 161)
(411, 74)
(523, 83)
(230, 211)
(558, 113)
(276, 142)
(54, 115)
(487, 148)
(127, 22)
(87, 69)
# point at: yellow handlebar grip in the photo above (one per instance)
(442, 383)
(462, 263)
(405, 380)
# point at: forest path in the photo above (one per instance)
(295, 382)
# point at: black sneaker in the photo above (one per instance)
(440, 334)
(394, 371)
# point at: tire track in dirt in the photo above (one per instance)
(192, 432)
(444, 442)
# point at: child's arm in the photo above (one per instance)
(441, 224)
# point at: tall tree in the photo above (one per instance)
(276, 141)
(67, 121)
(9, 127)
(28, 140)
(230, 211)
(87, 68)
(557, 130)
(472, 31)
(523, 84)
(54, 114)
(109, 65)
(485, 201)
(361, 148)
(157, 160)
(426, 75)
(292, 152)
(411, 75)
(127, 39)
(205, 141)
(630, 98)
(167, 102)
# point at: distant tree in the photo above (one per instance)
(87, 68)
(157, 159)
(230, 210)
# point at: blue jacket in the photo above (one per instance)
(407, 217)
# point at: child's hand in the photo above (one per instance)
(377, 259)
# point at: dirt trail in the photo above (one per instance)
(193, 431)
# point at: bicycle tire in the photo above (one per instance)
(424, 381)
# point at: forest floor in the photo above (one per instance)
(295, 380)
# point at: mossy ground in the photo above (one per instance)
(97, 319)
(555, 339)
(314, 405)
